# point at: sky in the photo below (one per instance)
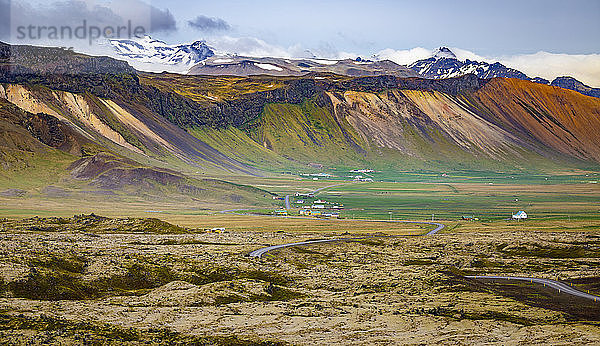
(544, 38)
(488, 27)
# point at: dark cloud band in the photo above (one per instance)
(204, 23)
(73, 12)
(161, 20)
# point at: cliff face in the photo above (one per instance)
(186, 112)
(573, 84)
(39, 151)
(127, 128)
(65, 70)
(455, 123)
(394, 128)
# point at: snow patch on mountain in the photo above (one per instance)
(443, 53)
(152, 55)
(269, 67)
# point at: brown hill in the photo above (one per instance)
(561, 119)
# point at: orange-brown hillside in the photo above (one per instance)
(561, 119)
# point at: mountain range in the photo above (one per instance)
(445, 64)
(97, 122)
(200, 59)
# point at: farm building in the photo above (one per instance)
(332, 215)
(521, 215)
(469, 218)
(215, 230)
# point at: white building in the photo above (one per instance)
(521, 215)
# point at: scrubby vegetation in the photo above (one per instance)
(546, 251)
(60, 330)
(57, 278)
(185, 282)
(95, 224)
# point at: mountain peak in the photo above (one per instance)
(443, 52)
(199, 43)
(147, 53)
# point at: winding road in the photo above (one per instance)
(260, 252)
(559, 286)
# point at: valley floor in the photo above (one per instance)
(77, 281)
(146, 271)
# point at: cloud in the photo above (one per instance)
(585, 68)
(4, 20)
(161, 20)
(207, 24)
(74, 12)
(462, 54)
(249, 46)
(255, 47)
(404, 57)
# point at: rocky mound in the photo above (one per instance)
(181, 293)
(26, 131)
(108, 171)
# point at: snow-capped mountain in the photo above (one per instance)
(154, 55)
(198, 58)
(147, 54)
(445, 64)
(443, 52)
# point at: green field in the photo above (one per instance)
(451, 201)
(414, 196)
(487, 196)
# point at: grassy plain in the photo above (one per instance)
(451, 201)
(564, 199)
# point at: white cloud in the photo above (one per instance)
(249, 46)
(85, 24)
(585, 68)
(404, 57)
(462, 54)
(254, 47)
(408, 56)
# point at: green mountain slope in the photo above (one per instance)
(234, 125)
(41, 154)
